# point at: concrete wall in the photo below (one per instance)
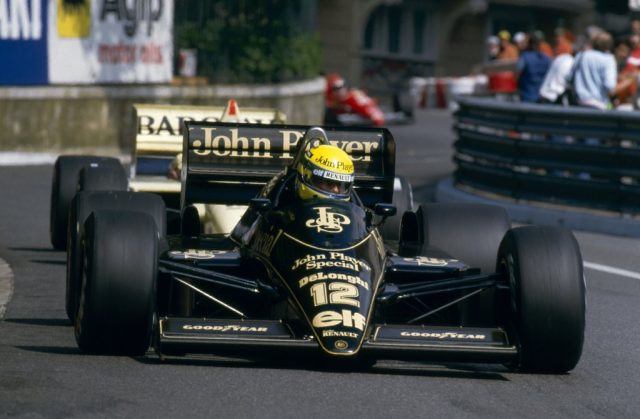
(82, 118)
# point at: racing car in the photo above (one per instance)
(317, 276)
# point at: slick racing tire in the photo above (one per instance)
(111, 177)
(547, 299)
(403, 200)
(117, 297)
(64, 187)
(83, 204)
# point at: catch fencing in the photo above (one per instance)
(562, 155)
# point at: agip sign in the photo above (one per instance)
(86, 41)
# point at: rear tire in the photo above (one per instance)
(63, 189)
(117, 298)
(544, 267)
(83, 204)
(102, 177)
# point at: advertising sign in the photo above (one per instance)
(85, 41)
(110, 41)
(23, 42)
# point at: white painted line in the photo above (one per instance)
(6, 286)
(611, 270)
(19, 158)
(16, 158)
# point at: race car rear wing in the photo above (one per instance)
(159, 132)
(225, 163)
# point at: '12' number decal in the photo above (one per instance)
(340, 293)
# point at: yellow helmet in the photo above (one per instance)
(325, 171)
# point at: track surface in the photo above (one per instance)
(42, 374)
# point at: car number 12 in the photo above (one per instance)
(339, 293)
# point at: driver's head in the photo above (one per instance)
(325, 171)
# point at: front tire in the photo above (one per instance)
(117, 298)
(83, 204)
(547, 299)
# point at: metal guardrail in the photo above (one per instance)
(565, 155)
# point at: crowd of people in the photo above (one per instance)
(592, 70)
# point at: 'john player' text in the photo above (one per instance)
(229, 143)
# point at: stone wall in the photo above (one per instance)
(60, 118)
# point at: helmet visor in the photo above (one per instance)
(330, 182)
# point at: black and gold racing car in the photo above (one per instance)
(451, 282)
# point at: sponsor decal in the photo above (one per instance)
(427, 261)
(335, 260)
(263, 243)
(443, 335)
(226, 328)
(338, 165)
(346, 318)
(338, 333)
(195, 254)
(321, 276)
(172, 125)
(341, 344)
(20, 19)
(328, 222)
(333, 176)
(74, 18)
(230, 142)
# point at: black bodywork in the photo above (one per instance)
(313, 275)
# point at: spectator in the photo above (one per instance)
(625, 97)
(564, 42)
(545, 48)
(635, 26)
(520, 40)
(621, 51)
(633, 59)
(556, 79)
(493, 47)
(532, 67)
(596, 73)
(508, 51)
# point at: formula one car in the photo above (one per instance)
(317, 276)
(157, 141)
(354, 107)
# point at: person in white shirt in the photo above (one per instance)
(555, 82)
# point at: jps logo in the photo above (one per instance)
(329, 222)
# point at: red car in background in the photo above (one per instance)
(348, 106)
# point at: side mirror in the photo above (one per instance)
(384, 210)
(260, 204)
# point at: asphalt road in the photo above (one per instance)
(42, 373)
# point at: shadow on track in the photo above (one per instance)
(474, 372)
(41, 322)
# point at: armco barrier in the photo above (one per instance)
(563, 155)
